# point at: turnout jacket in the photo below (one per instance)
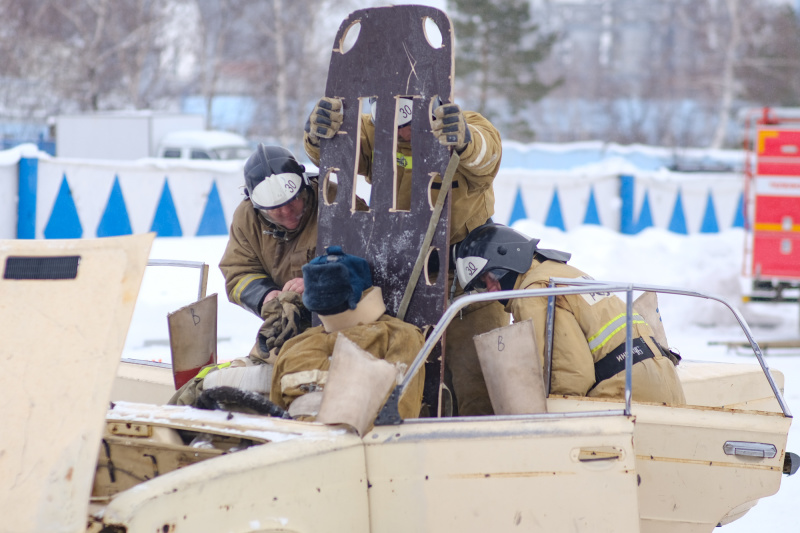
(589, 341)
(472, 200)
(262, 256)
(303, 362)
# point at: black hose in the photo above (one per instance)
(229, 398)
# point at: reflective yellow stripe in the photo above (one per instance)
(403, 160)
(242, 285)
(616, 324)
(776, 226)
(203, 373)
(763, 135)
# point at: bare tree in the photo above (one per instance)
(672, 72)
(727, 78)
(655, 72)
(220, 22)
(769, 69)
(290, 68)
(281, 67)
(95, 35)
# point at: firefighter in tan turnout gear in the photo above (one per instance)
(273, 234)
(589, 329)
(338, 287)
(478, 143)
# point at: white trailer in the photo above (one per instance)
(119, 135)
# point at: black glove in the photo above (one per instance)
(325, 119)
(450, 127)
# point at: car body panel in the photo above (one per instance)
(527, 473)
(688, 482)
(61, 342)
(309, 484)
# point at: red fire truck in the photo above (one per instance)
(772, 204)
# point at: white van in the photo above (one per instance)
(204, 144)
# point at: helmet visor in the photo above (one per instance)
(497, 276)
(276, 190)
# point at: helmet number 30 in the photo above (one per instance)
(291, 186)
(404, 111)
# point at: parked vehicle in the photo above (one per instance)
(118, 135)
(202, 144)
(772, 204)
(584, 464)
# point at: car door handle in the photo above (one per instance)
(750, 449)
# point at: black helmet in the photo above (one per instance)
(273, 177)
(496, 248)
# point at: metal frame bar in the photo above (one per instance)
(580, 286)
(548, 348)
(535, 416)
(201, 289)
(681, 292)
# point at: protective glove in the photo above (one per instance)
(450, 127)
(272, 313)
(325, 119)
(284, 317)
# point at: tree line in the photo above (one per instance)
(673, 72)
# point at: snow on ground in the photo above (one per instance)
(710, 263)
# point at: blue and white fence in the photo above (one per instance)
(680, 202)
(61, 199)
(51, 198)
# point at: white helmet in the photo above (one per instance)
(273, 177)
(405, 107)
(404, 110)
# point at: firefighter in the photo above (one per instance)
(273, 234)
(338, 287)
(472, 203)
(589, 329)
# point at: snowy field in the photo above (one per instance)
(704, 262)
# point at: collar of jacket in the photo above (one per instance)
(369, 309)
(535, 262)
(280, 233)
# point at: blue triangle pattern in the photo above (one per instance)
(677, 223)
(738, 218)
(645, 215)
(709, 224)
(554, 218)
(115, 219)
(592, 216)
(518, 211)
(64, 222)
(213, 221)
(165, 222)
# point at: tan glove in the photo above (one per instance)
(325, 119)
(450, 127)
(284, 317)
(271, 312)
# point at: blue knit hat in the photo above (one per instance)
(334, 281)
